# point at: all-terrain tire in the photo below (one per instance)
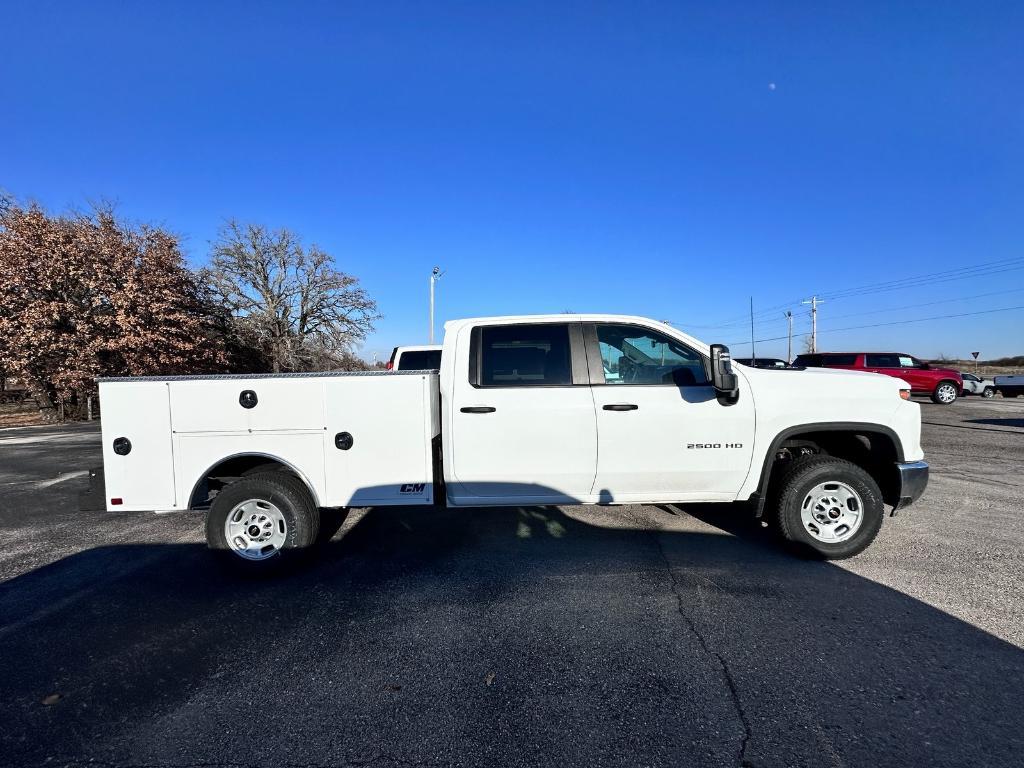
(794, 490)
(988, 392)
(280, 491)
(945, 393)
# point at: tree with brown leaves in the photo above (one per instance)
(289, 300)
(87, 294)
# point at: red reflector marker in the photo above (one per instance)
(115, 502)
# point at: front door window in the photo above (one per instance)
(631, 355)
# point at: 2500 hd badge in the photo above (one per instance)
(714, 445)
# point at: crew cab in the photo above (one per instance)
(943, 385)
(529, 410)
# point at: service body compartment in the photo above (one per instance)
(391, 423)
(139, 413)
(356, 439)
(212, 405)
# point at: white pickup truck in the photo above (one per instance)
(552, 409)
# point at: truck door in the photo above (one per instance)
(662, 434)
(522, 424)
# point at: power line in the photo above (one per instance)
(894, 322)
(925, 304)
(998, 265)
(983, 269)
(881, 310)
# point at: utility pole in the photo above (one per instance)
(814, 301)
(435, 275)
(753, 353)
(789, 342)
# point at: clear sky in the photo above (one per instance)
(664, 159)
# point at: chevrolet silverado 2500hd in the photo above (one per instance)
(560, 409)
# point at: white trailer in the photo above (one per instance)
(554, 409)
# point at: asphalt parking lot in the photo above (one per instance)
(637, 636)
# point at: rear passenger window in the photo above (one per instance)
(828, 360)
(807, 361)
(525, 355)
(882, 361)
(420, 360)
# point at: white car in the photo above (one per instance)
(975, 385)
(528, 410)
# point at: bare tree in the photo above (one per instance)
(287, 300)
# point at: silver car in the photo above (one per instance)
(975, 385)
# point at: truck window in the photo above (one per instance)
(882, 361)
(637, 356)
(838, 359)
(525, 355)
(807, 361)
(420, 360)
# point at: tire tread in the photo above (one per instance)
(789, 526)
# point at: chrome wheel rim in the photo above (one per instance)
(832, 512)
(946, 393)
(988, 393)
(255, 529)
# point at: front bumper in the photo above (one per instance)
(913, 479)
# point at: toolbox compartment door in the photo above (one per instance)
(247, 405)
(390, 422)
(143, 478)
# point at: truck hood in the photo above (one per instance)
(842, 390)
(821, 377)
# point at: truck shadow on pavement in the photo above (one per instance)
(516, 636)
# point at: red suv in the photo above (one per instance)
(943, 384)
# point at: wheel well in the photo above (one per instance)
(232, 468)
(874, 450)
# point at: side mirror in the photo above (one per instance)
(722, 378)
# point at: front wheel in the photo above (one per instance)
(988, 392)
(945, 393)
(829, 508)
(262, 520)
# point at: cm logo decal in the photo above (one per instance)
(412, 488)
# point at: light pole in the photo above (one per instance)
(435, 275)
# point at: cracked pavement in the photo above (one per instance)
(597, 636)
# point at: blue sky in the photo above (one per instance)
(663, 159)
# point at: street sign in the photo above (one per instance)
(975, 354)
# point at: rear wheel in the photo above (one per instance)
(945, 393)
(262, 520)
(829, 508)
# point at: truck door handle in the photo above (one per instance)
(621, 407)
(478, 409)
